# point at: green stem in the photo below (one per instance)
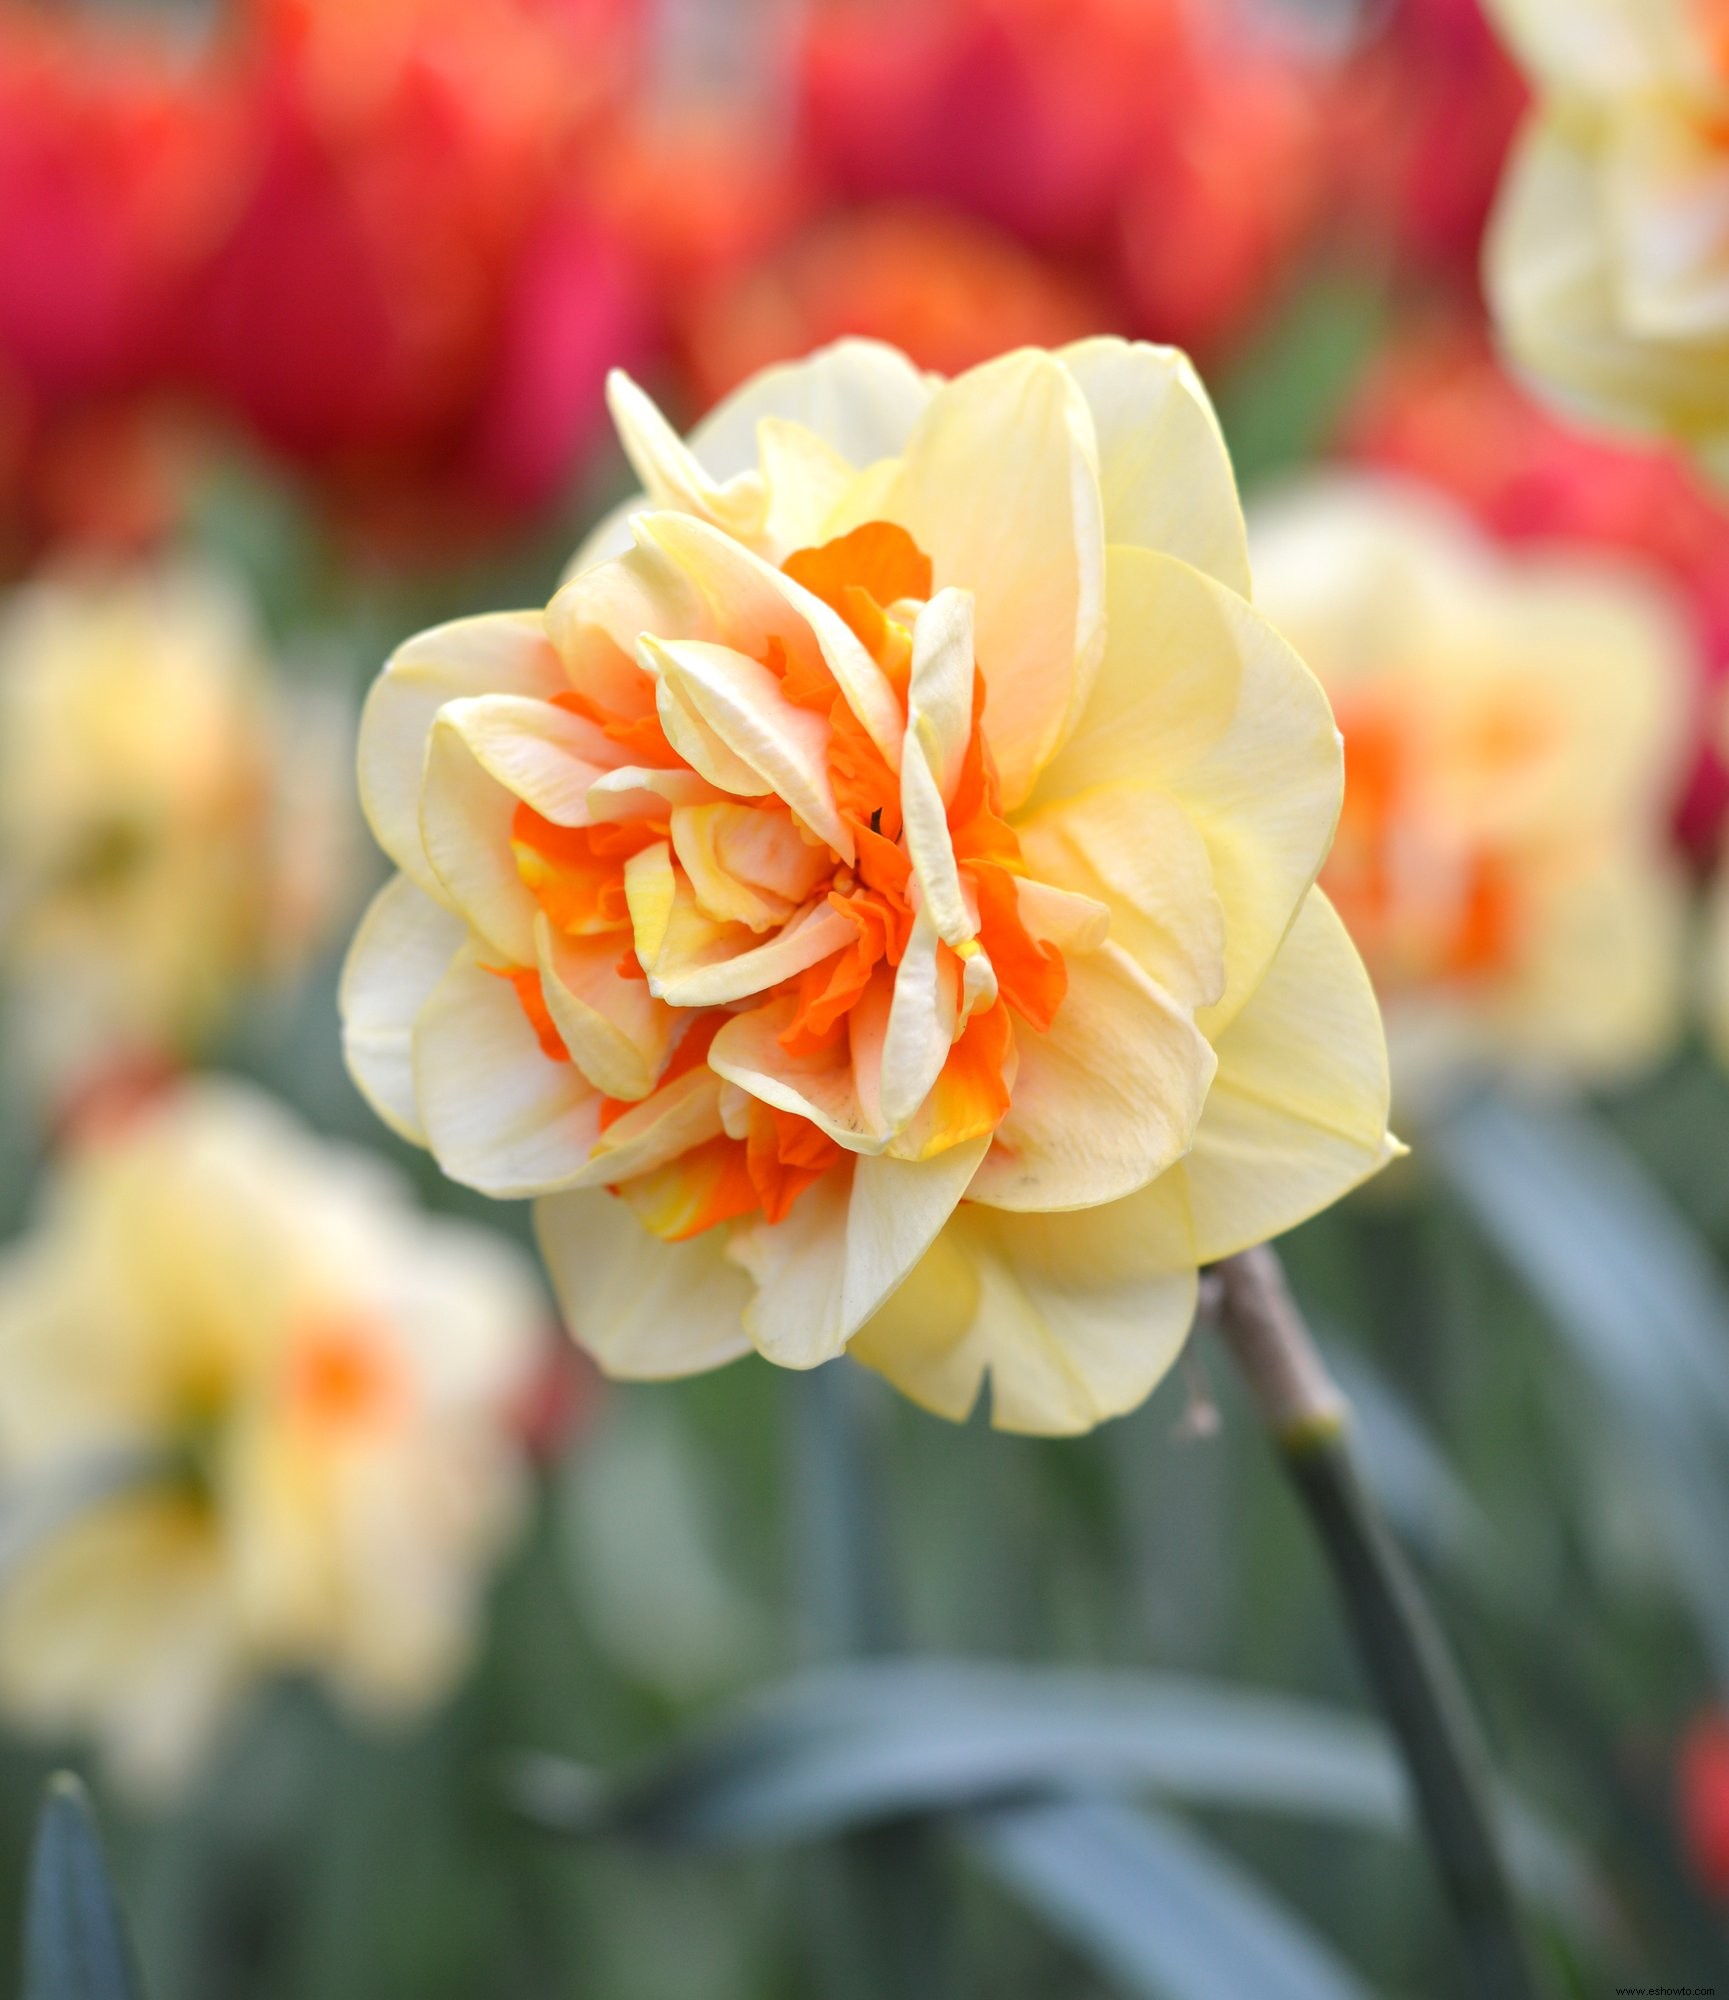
(1401, 1648)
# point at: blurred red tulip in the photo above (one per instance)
(1702, 1800)
(1225, 193)
(116, 172)
(948, 291)
(1025, 112)
(1440, 408)
(1175, 145)
(414, 203)
(1426, 114)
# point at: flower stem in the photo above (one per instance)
(1398, 1642)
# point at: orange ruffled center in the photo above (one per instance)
(576, 875)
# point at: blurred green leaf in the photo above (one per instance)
(1154, 1908)
(75, 1944)
(868, 1744)
(1636, 1296)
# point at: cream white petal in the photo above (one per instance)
(860, 396)
(940, 686)
(507, 653)
(747, 865)
(752, 605)
(1553, 285)
(847, 1242)
(1164, 467)
(823, 1088)
(640, 791)
(671, 473)
(1199, 696)
(701, 963)
(596, 619)
(1606, 47)
(939, 724)
(1665, 187)
(1106, 1100)
(466, 820)
(617, 1033)
(740, 702)
(401, 951)
(924, 1018)
(646, 1310)
(999, 486)
(499, 1114)
(544, 755)
(679, 1115)
(1297, 1115)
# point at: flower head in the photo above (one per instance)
(1608, 262)
(328, 1379)
(165, 832)
(1514, 733)
(904, 805)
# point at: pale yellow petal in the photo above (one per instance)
(1164, 468)
(1075, 1318)
(848, 1241)
(401, 951)
(1133, 849)
(999, 486)
(646, 1310)
(1106, 1100)
(1199, 696)
(805, 479)
(1297, 1115)
(499, 1114)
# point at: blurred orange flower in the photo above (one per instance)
(948, 291)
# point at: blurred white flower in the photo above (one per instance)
(1513, 726)
(331, 1380)
(171, 826)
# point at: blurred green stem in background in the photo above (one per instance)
(1401, 1648)
(880, 1910)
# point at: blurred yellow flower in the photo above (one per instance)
(331, 1377)
(168, 827)
(1514, 727)
(900, 804)
(1608, 260)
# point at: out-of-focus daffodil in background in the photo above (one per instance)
(982, 641)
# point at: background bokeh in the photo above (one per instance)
(305, 312)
